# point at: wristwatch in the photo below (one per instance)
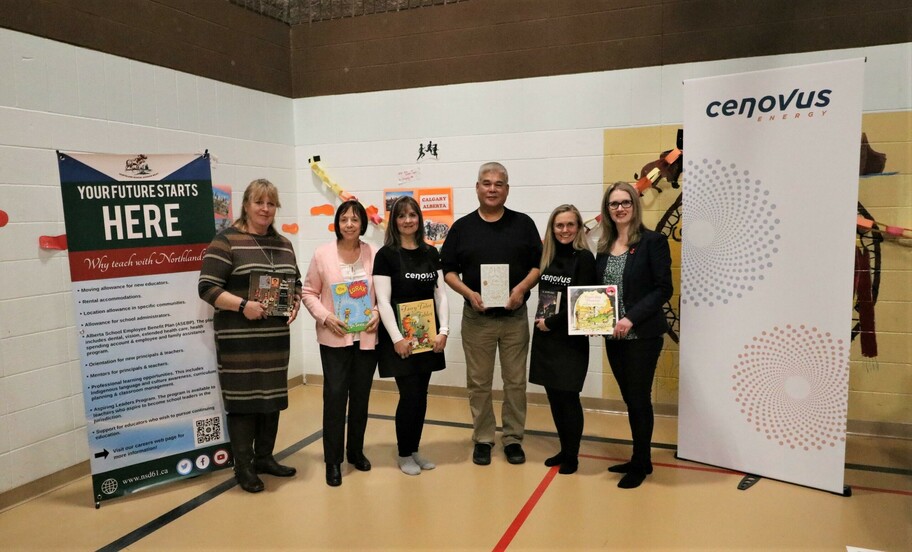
(243, 304)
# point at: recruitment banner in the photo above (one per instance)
(436, 207)
(137, 228)
(769, 212)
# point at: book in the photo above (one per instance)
(548, 303)
(417, 324)
(495, 285)
(352, 304)
(274, 291)
(591, 309)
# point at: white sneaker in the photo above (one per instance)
(408, 466)
(423, 462)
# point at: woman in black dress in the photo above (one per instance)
(638, 261)
(407, 269)
(559, 361)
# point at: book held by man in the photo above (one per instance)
(591, 310)
(417, 324)
(352, 304)
(495, 285)
(274, 291)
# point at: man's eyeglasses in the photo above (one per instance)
(615, 205)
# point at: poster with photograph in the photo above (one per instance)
(436, 206)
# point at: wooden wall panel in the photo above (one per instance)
(209, 38)
(469, 41)
(482, 40)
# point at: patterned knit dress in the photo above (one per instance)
(252, 354)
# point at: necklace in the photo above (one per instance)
(268, 257)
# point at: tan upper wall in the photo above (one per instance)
(471, 41)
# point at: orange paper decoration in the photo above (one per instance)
(325, 209)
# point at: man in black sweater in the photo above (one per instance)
(505, 241)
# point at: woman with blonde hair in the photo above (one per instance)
(252, 347)
(559, 361)
(638, 262)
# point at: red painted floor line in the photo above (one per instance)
(878, 490)
(523, 514)
(520, 518)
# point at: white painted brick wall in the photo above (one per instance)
(55, 96)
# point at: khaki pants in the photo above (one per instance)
(482, 337)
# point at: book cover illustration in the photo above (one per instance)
(417, 324)
(274, 291)
(352, 304)
(548, 303)
(495, 285)
(221, 206)
(591, 310)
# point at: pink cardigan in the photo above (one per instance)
(323, 271)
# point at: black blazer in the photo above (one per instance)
(647, 283)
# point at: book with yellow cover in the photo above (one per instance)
(417, 324)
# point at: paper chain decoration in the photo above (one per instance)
(895, 231)
(373, 214)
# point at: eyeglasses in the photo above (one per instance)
(615, 205)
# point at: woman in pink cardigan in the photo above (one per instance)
(348, 357)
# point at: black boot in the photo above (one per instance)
(266, 430)
(241, 429)
(333, 475)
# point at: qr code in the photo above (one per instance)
(207, 430)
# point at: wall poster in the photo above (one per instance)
(137, 229)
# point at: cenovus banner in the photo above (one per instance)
(767, 266)
(137, 227)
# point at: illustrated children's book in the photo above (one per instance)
(352, 304)
(274, 291)
(495, 285)
(591, 310)
(548, 303)
(417, 324)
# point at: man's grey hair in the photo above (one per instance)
(493, 166)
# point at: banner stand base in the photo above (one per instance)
(748, 481)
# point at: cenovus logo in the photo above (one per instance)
(797, 99)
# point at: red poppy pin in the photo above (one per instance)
(633, 250)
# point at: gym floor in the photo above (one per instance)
(461, 506)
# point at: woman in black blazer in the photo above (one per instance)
(638, 261)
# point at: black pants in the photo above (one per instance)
(633, 362)
(348, 373)
(413, 392)
(567, 412)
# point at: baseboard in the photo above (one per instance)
(46, 484)
(879, 429)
